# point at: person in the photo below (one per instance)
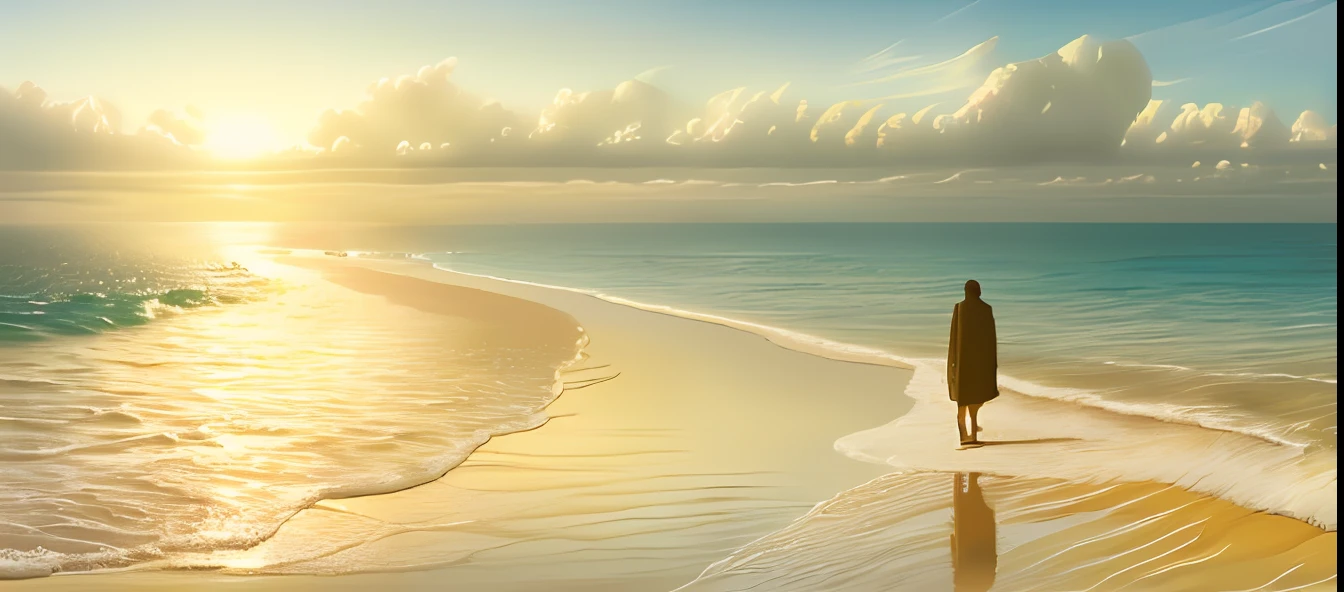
(972, 360)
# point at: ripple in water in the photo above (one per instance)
(207, 428)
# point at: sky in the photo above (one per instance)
(282, 63)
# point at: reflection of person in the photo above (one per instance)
(972, 360)
(975, 555)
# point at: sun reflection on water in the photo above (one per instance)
(255, 409)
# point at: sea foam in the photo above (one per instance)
(1287, 480)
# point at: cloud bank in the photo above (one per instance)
(37, 133)
(420, 112)
(1074, 103)
(1090, 101)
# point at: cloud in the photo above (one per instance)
(1148, 125)
(1300, 34)
(758, 127)
(1310, 127)
(38, 133)
(956, 68)
(836, 122)
(1212, 126)
(415, 109)
(1162, 83)
(1258, 127)
(634, 111)
(650, 76)
(1195, 126)
(1280, 24)
(858, 134)
(1077, 101)
(901, 133)
(1252, 135)
(886, 63)
(956, 12)
(1088, 101)
(1238, 23)
(886, 51)
(188, 130)
(1195, 27)
(341, 145)
(28, 108)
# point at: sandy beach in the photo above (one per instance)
(688, 453)
(537, 296)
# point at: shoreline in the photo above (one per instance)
(455, 522)
(861, 354)
(705, 439)
(1217, 472)
(333, 384)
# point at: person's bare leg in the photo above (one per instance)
(975, 424)
(961, 423)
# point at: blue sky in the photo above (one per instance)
(289, 60)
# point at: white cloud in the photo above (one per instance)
(957, 68)
(1311, 127)
(1281, 24)
(426, 107)
(590, 118)
(1213, 126)
(1150, 123)
(956, 12)
(1078, 101)
(1084, 101)
(865, 67)
(187, 130)
(1194, 126)
(1258, 127)
(36, 132)
(902, 133)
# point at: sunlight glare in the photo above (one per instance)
(240, 136)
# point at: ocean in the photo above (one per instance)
(134, 364)
(160, 400)
(1226, 326)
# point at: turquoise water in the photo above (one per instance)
(162, 398)
(158, 399)
(1231, 326)
(80, 281)
(1228, 326)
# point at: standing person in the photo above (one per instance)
(972, 360)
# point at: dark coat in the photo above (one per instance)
(972, 354)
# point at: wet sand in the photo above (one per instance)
(674, 443)
(679, 445)
(972, 532)
(1036, 437)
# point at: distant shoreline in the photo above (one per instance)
(1063, 193)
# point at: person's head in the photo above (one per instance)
(972, 289)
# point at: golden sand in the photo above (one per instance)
(681, 445)
(920, 530)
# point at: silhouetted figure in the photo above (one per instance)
(975, 555)
(972, 360)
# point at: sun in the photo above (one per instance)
(239, 136)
